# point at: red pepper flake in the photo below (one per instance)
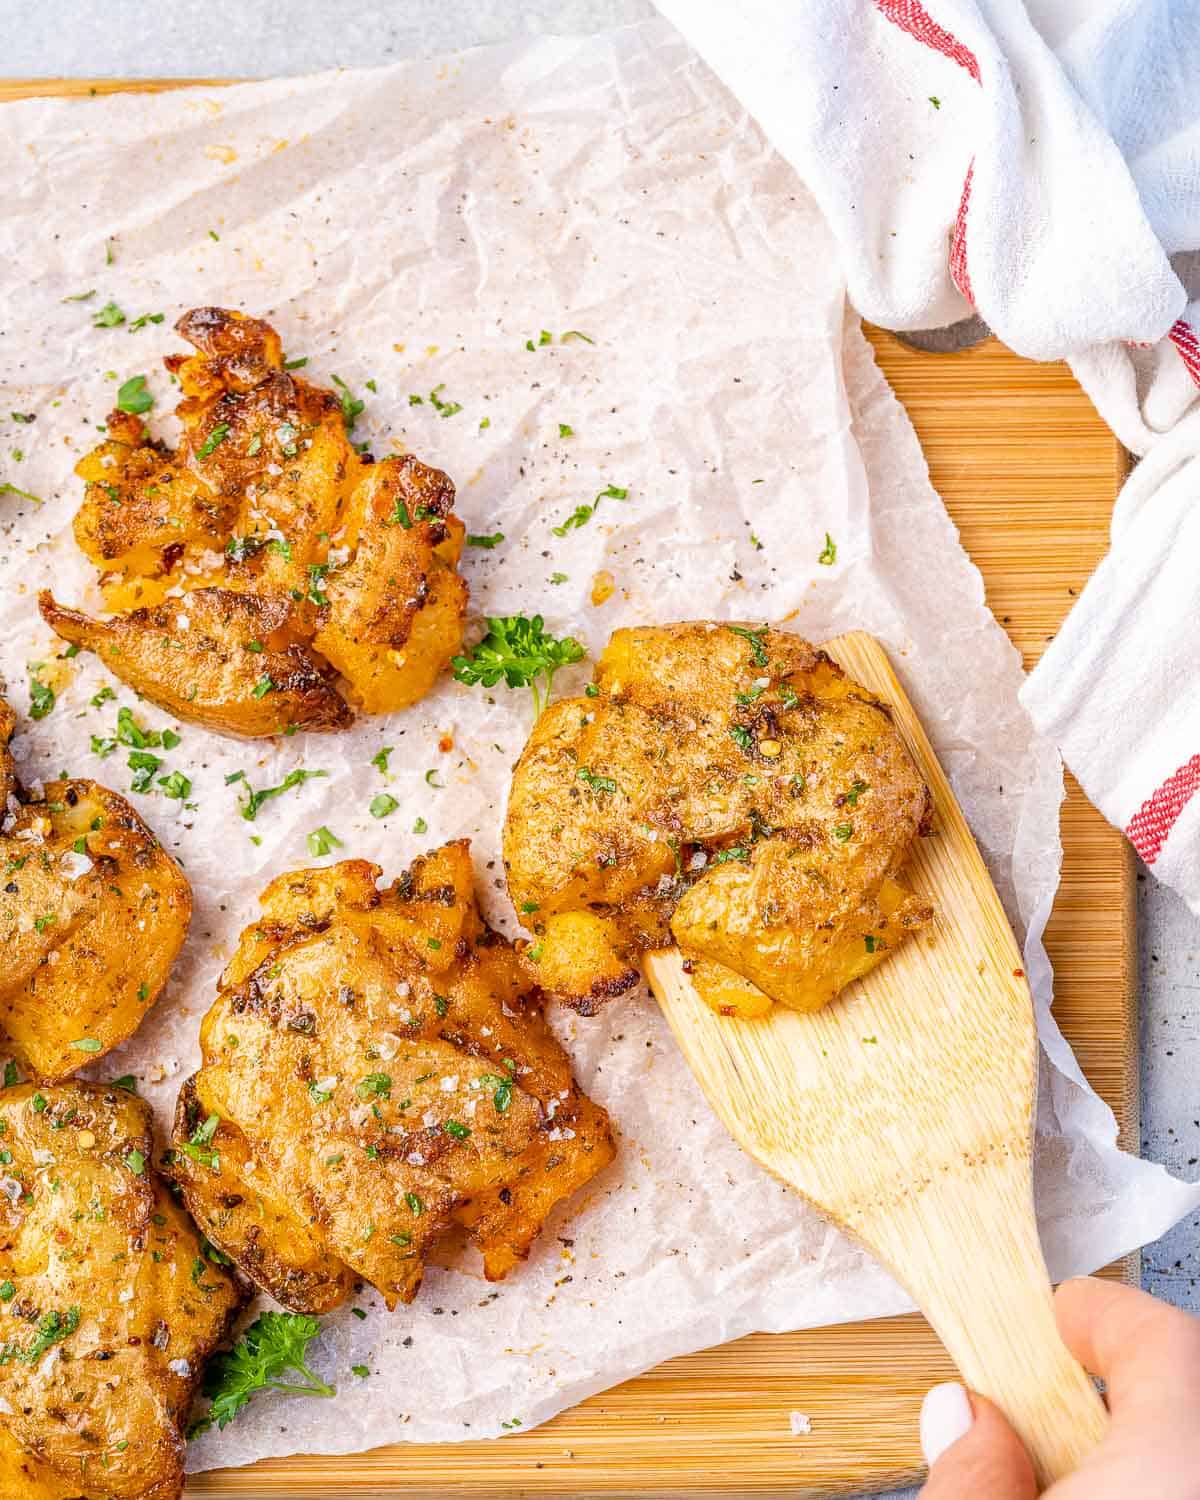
(1018, 973)
(446, 743)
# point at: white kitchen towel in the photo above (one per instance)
(1039, 163)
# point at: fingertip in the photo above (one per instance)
(946, 1416)
(984, 1459)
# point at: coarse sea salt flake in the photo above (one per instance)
(799, 1423)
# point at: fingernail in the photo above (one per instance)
(945, 1417)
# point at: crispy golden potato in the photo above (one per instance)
(265, 555)
(396, 609)
(215, 657)
(93, 913)
(377, 1071)
(8, 776)
(108, 1307)
(729, 789)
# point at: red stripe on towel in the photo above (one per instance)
(911, 16)
(1184, 338)
(958, 241)
(1150, 825)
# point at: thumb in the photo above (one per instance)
(971, 1449)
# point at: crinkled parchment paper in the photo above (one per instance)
(415, 227)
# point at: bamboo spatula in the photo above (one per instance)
(903, 1112)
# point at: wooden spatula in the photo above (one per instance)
(903, 1112)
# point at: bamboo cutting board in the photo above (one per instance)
(1029, 474)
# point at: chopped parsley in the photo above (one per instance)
(322, 841)
(109, 316)
(214, 440)
(143, 765)
(199, 1145)
(380, 758)
(582, 514)
(176, 785)
(253, 800)
(843, 832)
(456, 1129)
(443, 408)
(352, 408)
(420, 826)
(519, 650)
(383, 804)
(41, 698)
(53, 1329)
(144, 319)
(486, 542)
(596, 783)
(86, 1044)
(136, 1162)
(565, 430)
(758, 649)
(263, 686)
(829, 554)
(415, 1206)
(741, 737)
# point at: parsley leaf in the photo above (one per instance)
(214, 440)
(322, 841)
(582, 514)
(134, 397)
(254, 800)
(829, 556)
(109, 316)
(519, 650)
(352, 408)
(758, 650)
(382, 805)
(487, 542)
(41, 698)
(53, 1329)
(275, 1343)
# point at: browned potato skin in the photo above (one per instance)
(207, 673)
(263, 485)
(8, 777)
(734, 793)
(96, 968)
(339, 981)
(396, 609)
(103, 1419)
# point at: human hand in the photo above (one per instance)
(1149, 1356)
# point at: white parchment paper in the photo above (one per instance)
(415, 227)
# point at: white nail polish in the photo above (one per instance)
(945, 1417)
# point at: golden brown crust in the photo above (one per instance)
(109, 1272)
(730, 790)
(266, 502)
(214, 657)
(93, 913)
(377, 1070)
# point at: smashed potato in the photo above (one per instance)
(377, 1071)
(729, 790)
(93, 913)
(108, 1306)
(265, 575)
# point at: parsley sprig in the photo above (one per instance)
(274, 1344)
(520, 650)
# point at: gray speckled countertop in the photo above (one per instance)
(233, 38)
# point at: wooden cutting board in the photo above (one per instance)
(1029, 473)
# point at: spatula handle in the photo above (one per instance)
(966, 1246)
